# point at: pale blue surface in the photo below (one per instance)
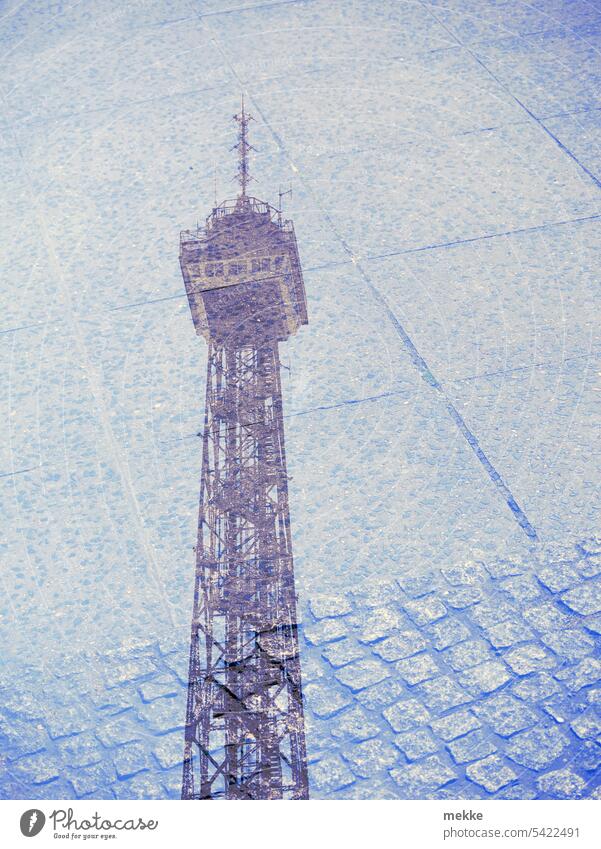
(445, 165)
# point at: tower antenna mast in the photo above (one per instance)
(282, 195)
(243, 147)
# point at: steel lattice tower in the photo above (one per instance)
(244, 722)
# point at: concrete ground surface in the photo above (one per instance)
(441, 406)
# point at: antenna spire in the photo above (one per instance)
(243, 148)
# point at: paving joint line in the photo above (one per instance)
(418, 361)
(508, 91)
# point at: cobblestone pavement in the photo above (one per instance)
(480, 681)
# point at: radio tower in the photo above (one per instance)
(245, 734)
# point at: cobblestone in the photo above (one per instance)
(443, 693)
(406, 714)
(546, 617)
(491, 612)
(162, 688)
(110, 702)
(82, 750)
(458, 598)
(474, 746)
(355, 723)
(561, 784)
(370, 757)
(118, 731)
(585, 598)
(505, 714)
(570, 644)
(92, 779)
(583, 674)
(379, 623)
(593, 696)
(380, 695)
(36, 769)
(466, 654)
(470, 572)
(591, 545)
(19, 704)
(588, 725)
(536, 687)
(330, 773)
(491, 773)
(500, 568)
(448, 632)
(325, 606)
(416, 586)
(455, 725)
(405, 644)
(130, 759)
(419, 780)
(169, 751)
(426, 610)
(326, 701)
(537, 748)
(172, 784)
(124, 670)
(20, 738)
(559, 709)
(377, 593)
(362, 674)
(591, 567)
(508, 633)
(314, 669)
(558, 577)
(325, 631)
(484, 678)
(588, 756)
(376, 788)
(162, 715)
(416, 744)
(419, 668)
(343, 652)
(521, 588)
(596, 794)
(593, 624)
(66, 722)
(141, 786)
(529, 658)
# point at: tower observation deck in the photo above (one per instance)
(244, 735)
